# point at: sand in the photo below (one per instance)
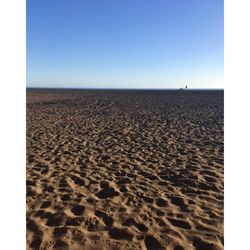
(124, 169)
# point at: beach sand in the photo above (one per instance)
(114, 169)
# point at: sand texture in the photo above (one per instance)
(125, 170)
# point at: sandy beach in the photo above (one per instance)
(116, 169)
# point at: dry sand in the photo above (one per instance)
(124, 169)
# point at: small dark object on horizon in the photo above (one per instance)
(183, 88)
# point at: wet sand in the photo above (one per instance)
(124, 169)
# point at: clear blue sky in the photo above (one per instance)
(125, 43)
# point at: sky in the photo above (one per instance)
(125, 43)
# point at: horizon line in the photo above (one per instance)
(94, 88)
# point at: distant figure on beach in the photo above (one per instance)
(183, 89)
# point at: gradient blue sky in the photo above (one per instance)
(125, 43)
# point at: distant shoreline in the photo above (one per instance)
(129, 89)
